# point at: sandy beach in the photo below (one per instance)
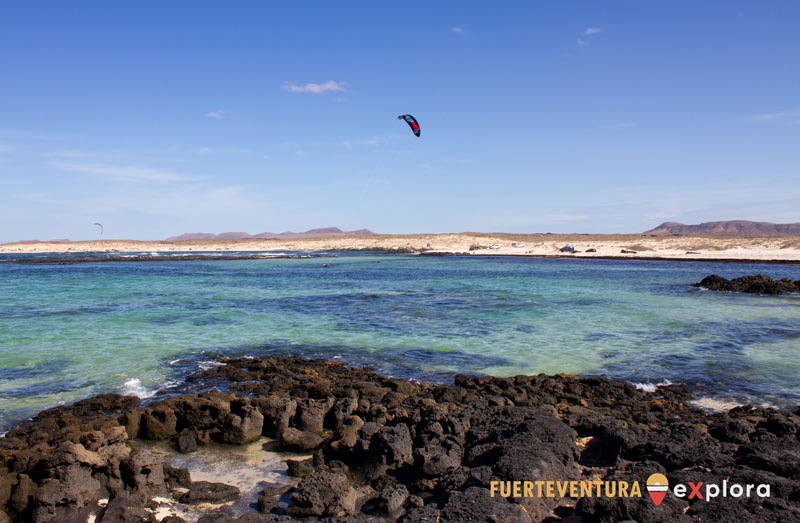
(711, 247)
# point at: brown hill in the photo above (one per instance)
(233, 235)
(729, 227)
(192, 236)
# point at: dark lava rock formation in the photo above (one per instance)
(757, 284)
(388, 449)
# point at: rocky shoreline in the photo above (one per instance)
(387, 449)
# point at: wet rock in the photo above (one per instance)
(143, 472)
(77, 453)
(7, 482)
(267, 504)
(131, 422)
(207, 492)
(270, 496)
(757, 284)
(74, 499)
(311, 414)
(127, 508)
(347, 435)
(277, 412)
(202, 412)
(299, 468)
(224, 516)
(342, 409)
(175, 477)
(187, 441)
(387, 448)
(105, 404)
(24, 493)
(323, 494)
(300, 441)
(158, 424)
(244, 427)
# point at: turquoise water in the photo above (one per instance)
(71, 330)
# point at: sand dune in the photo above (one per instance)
(722, 247)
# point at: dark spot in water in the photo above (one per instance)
(45, 368)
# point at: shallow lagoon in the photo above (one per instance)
(71, 330)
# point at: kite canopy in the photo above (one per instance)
(412, 122)
(101, 227)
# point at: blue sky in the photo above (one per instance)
(158, 118)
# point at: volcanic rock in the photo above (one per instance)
(758, 284)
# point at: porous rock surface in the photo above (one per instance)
(388, 449)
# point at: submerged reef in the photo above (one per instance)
(385, 449)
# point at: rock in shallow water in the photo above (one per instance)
(208, 492)
(758, 284)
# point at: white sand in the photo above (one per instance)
(717, 247)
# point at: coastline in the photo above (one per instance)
(387, 449)
(716, 248)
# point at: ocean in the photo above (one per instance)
(70, 330)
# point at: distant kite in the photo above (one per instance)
(412, 122)
(101, 227)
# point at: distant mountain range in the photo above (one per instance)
(313, 233)
(729, 227)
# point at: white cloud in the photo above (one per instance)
(458, 30)
(330, 85)
(582, 43)
(778, 116)
(216, 114)
(127, 173)
(592, 30)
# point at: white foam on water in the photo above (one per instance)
(711, 404)
(134, 387)
(208, 365)
(248, 467)
(651, 387)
